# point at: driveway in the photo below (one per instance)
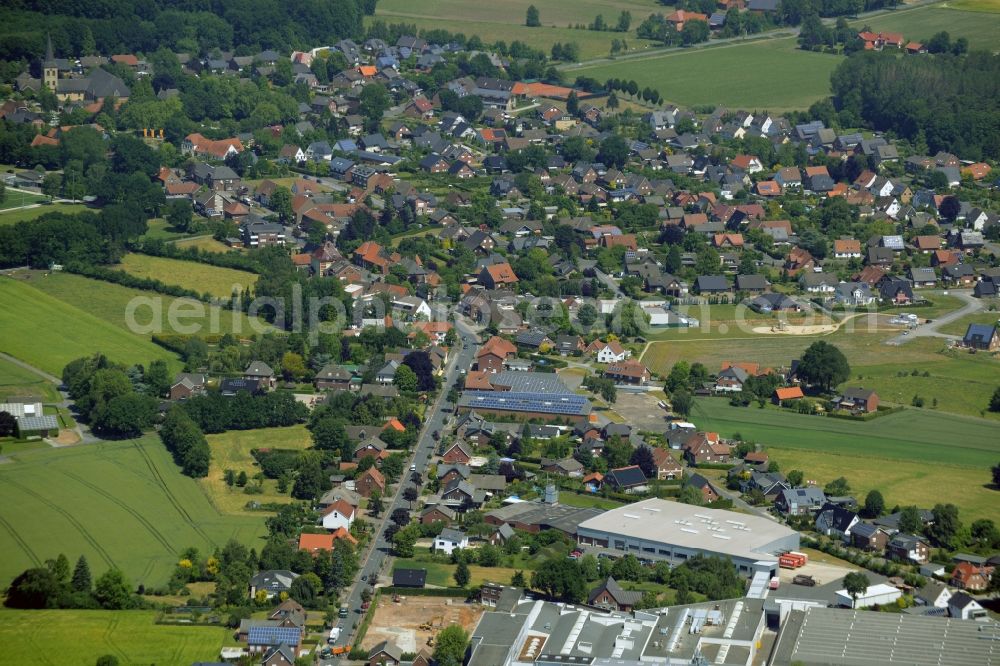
(972, 306)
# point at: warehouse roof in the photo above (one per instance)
(694, 527)
(826, 636)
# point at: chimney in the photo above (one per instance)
(551, 494)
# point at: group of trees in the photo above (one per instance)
(948, 102)
(214, 412)
(125, 26)
(656, 27)
(55, 585)
(186, 442)
(116, 401)
(646, 94)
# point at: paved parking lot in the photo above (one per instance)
(641, 411)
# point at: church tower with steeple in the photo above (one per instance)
(50, 69)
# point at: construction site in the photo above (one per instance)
(412, 622)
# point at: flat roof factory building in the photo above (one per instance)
(657, 529)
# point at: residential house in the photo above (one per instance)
(498, 276)
(611, 596)
(869, 537)
(787, 394)
(608, 352)
(260, 372)
(437, 513)
(628, 372)
(667, 467)
(272, 582)
(709, 493)
(626, 479)
(706, 447)
(835, 521)
(385, 653)
(799, 501)
(449, 540)
(570, 467)
(369, 481)
(457, 453)
(982, 337)
(969, 576)
(963, 607)
(858, 399)
(909, 548)
(333, 377)
(847, 248)
(186, 385)
(338, 515)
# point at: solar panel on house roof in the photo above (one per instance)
(526, 402)
(273, 635)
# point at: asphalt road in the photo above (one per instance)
(374, 560)
(972, 305)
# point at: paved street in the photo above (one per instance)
(972, 306)
(376, 556)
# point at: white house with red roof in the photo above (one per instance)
(340, 514)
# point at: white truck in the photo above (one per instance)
(334, 635)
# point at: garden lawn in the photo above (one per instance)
(48, 333)
(203, 278)
(109, 302)
(961, 325)
(17, 198)
(442, 574)
(900, 482)
(913, 435)
(24, 214)
(20, 384)
(204, 243)
(122, 504)
(739, 75)
(588, 501)
(80, 637)
(231, 450)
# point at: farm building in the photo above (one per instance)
(656, 529)
(31, 419)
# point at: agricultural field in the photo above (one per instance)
(913, 435)
(738, 75)
(48, 333)
(231, 450)
(980, 26)
(80, 637)
(109, 302)
(861, 347)
(900, 482)
(959, 383)
(122, 504)
(20, 384)
(24, 214)
(202, 278)
(592, 44)
(561, 13)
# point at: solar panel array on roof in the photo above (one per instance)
(526, 402)
(32, 423)
(274, 635)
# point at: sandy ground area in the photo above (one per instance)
(66, 438)
(821, 572)
(400, 622)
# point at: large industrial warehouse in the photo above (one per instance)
(656, 529)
